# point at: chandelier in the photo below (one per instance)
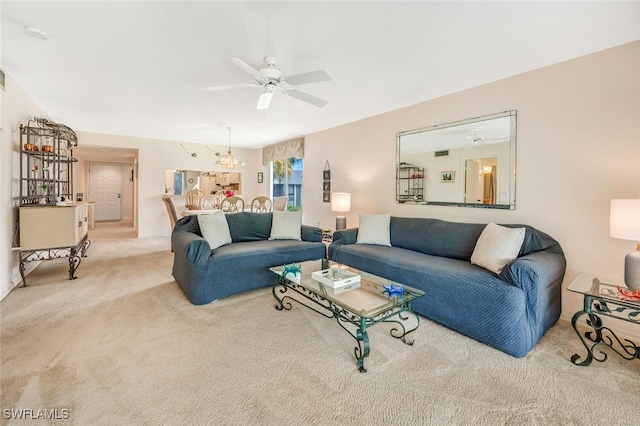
(229, 161)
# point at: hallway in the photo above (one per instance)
(112, 230)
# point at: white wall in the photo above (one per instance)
(578, 147)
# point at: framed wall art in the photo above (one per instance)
(448, 176)
(326, 183)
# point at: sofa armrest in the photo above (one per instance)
(533, 268)
(311, 233)
(539, 275)
(195, 248)
(345, 236)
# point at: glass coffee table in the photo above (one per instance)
(602, 298)
(373, 302)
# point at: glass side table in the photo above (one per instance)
(602, 299)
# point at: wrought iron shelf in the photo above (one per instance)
(46, 164)
(46, 172)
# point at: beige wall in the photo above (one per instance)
(155, 156)
(578, 147)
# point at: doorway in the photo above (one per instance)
(481, 180)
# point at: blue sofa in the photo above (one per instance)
(206, 275)
(509, 312)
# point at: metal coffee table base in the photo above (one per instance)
(399, 314)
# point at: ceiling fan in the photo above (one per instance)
(271, 79)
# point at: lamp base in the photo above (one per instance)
(632, 270)
(341, 222)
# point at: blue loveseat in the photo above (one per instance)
(510, 311)
(205, 275)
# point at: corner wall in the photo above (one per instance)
(16, 107)
(578, 147)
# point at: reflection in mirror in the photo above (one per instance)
(179, 182)
(465, 163)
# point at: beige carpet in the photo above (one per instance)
(122, 345)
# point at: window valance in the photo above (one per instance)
(280, 151)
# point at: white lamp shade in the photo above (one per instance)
(625, 219)
(340, 201)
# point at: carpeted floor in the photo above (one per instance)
(122, 345)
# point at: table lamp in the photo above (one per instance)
(625, 224)
(340, 202)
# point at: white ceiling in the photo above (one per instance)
(137, 68)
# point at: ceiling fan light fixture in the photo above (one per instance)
(265, 97)
(229, 161)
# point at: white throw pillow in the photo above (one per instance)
(374, 229)
(497, 246)
(286, 225)
(214, 229)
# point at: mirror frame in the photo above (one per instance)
(512, 162)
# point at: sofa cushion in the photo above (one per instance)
(374, 229)
(214, 229)
(456, 240)
(286, 225)
(249, 226)
(266, 253)
(497, 246)
(435, 237)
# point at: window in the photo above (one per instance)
(287, 181)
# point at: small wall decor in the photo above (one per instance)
(260, 177)
(326, 183)
(193, 154)
(448, 176)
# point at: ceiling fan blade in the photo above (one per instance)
(246, 67)
(308, 77)
(306, 98)
(230, 86)
(265, 99)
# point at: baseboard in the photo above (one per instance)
(16, 278)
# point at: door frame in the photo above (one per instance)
(123, 176)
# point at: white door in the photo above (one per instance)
(105, 188)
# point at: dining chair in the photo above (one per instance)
(195, 199)
(213, 202)
(232, 205)
(261, 204)
(172, 211)
(280, 203)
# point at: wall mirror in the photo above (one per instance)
(468, 163)
(179, 182)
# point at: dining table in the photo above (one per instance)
(186, 213)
